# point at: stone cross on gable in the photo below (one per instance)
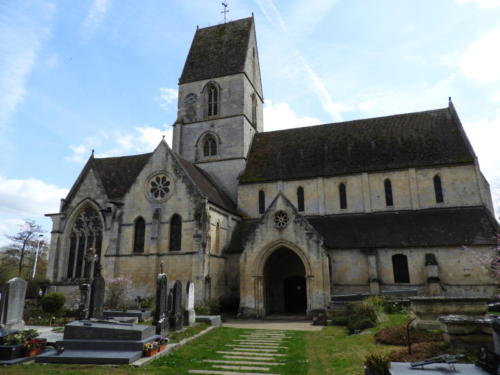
(225, 11)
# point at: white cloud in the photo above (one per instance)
(142, 139)
(495, 97)
(95, 16)
(21, 39)
(484, 136)
(280, 116)
(480, 3)
(481, 60)
(274, 17)
(30, 197)
(495, 193)
(167, 97)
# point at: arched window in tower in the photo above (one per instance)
(209, 146)
(175, 233)
(438, 189)
(400, 268)
(388, 192)
(86, 235)
(254, 109)
(139, 234)
(300, 198)
(213, 100)
(262, 201)
(217, 238)
(342, 196)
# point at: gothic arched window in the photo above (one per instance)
(400, 268)
(175, 233)
(262, 201)
(388, 192)
(300, 198)
(209, 146)
(342, 196)
(254, 109)
(438, 189)
(212, 100)
(139, 235)
(86, 235)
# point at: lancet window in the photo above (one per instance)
(85, 241)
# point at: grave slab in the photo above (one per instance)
(97, 357)
(403, 368)
(90, 330)
(214, 320)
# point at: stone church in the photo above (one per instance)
(279, 222)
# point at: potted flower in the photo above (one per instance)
(377, 364)
(30, 349)
(162, 344)
(150, 349)
(11, 346)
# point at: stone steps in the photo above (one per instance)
(252, 353)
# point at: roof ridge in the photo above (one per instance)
(225, 23)
(124, 156)
(357, 120)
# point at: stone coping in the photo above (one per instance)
(440, 299)
(466, 319)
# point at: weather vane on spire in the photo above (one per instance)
(225, 11)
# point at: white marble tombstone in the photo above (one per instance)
(12, 306)
(190, 313)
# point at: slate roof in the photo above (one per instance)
(396, 229)
(117, 175)
(421, 228)
(408, 140)
(217, 51)
(208, 188)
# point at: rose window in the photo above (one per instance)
(280, 220)
(159, 187)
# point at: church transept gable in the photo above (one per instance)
(281, 222)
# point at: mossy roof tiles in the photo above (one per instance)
(217, 51)
(401, 141)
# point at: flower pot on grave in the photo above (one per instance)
(162, 347)
(8, 352)
(150, 352)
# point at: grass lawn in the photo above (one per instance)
(329, 351)
(332, 351)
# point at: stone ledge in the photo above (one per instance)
(171, 347)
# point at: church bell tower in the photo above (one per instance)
(220, 101)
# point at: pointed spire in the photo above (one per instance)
(92, 154)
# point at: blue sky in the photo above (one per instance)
(102, 74)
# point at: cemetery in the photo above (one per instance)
(390, 334)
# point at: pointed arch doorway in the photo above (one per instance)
(285, 289)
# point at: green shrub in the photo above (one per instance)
(147, 302)
(362, 315)
(212, 307)
(359, 323)
(53, 303)
(377, 363)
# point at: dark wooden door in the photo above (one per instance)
(295, 294)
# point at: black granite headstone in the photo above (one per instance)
(161, 311)
(176, 314)
(97, 296)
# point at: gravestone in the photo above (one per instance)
(96, 305)
(83, 307)
(12, 295)
(175, 316)
(161, 311)
(189, 314)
